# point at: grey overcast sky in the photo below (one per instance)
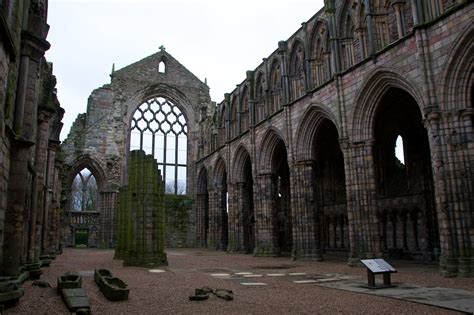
(215, 39)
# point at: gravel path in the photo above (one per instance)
(167, 293)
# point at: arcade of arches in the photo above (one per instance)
(354, 138)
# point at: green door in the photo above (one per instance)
(82, 236)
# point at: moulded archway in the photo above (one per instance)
(222, 207)
(401, 186)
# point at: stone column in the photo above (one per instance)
(305, 215)
(361, 201)
(49, 226)
(452, 147)
(107, 218)
(200, 223)
(38, 229)
(265, 243)
(213, 234)
(236, 243)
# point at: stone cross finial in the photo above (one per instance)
(162, 47)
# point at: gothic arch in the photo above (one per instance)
(168, 92)
(270, 140)
(307, 129)
(202, 180)
(320, 53)
(297, 69)
(458, 74)
(86, 161)
(370, 93)
(240, 157)
(220, 170)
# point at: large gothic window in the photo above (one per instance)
(84, 192)
(159, 128)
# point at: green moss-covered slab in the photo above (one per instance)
(69, 281)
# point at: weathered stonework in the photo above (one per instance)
(329, 105)
(141, 214)
(30, 123)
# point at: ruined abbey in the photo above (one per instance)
(354, 138)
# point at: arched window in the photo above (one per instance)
(159, 128)
(297, 73)
(84, 192)
(275, 87)
(162, 67)
(260, 97)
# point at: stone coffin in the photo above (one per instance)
(69, 281)
(113, 288)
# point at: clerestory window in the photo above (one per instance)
(159, 128)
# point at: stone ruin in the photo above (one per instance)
(141, 214)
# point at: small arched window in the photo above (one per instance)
(399, 151)
(84, 192)
(162, 67)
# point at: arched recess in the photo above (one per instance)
(346, 28)
(243, 224)
(202, 208)
(406, 183)
(275, 87)
(234, 116)
(297, 69)
(307, 129)
(276, 191)
(370, 93)
(320, 54)
(222, 125)
(458, 75)
(259, 101)
(87, 226)
(222, 206)
(318, 147)
(244, 110)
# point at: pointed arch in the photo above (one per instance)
(240, 157)
(260, 96)
(268, 144)
(234, 112)
(275, 86)
(244, 110)
(297, 69)
(458, 74)
(320, 54)
(374, 87)
(307, 129)
(86, 161)
(202, 180)
(220, 171)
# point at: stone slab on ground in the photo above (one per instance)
(453, 299)
(75, 299)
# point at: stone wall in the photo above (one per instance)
(99, 139)
(350, 85)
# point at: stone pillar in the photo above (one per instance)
(236, 242)
(201, 217)
(361, 201)
(452, 148)
(50, 209)
(107, 218)
(305, 215)
(40, 214)
(145, 215)
(214, 223)
(265, 243)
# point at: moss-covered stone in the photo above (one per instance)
(141, 214)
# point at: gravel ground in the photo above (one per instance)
(167, 293)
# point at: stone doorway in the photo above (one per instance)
(81, 238)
